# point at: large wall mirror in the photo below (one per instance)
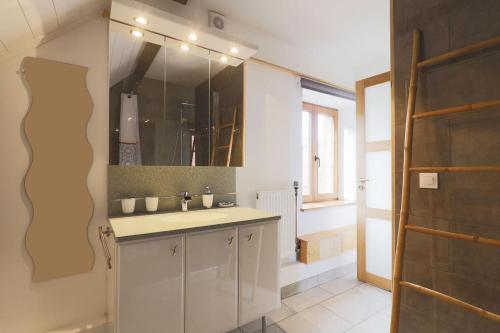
(172, 103)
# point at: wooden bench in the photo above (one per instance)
(327, 244)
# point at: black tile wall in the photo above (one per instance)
(467, 203)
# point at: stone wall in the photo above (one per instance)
(164, 181)
(465, 202)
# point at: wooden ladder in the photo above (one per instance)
(229, 146)
(397, 281)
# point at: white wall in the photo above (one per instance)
(272, 132)
(273, 154)
(27, 307)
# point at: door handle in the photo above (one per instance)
(249, 237)
(363, 180)
(173, 251)
(230, 240)
(103, 233)
(318, 160)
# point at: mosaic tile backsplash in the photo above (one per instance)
(142, 181)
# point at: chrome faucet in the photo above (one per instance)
(186, 198)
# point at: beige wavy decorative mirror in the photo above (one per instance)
(56, 182)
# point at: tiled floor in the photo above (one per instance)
(342, 305)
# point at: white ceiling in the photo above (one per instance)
(123, 53)
(23, 21)
(340, 41)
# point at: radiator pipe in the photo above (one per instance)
(297, 242)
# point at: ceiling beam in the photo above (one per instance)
(144, 61)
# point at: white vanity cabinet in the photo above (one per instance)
(211, 281)
(149, 286)
(173, 273)
(258, 262)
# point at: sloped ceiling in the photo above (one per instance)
(123, 53)
(339, 41)
(177, 67)
(23, 21)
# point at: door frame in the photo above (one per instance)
(361, 85)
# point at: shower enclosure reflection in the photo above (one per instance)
(173, 104)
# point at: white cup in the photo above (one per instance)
(128, 205)
(151, 204)
(208, 200)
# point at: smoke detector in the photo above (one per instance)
(216, 20)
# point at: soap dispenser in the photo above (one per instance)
(208, 197)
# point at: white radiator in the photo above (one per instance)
(281, 203)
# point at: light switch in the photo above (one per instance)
(428, 180)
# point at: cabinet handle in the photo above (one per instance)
(230, 241)
(104, 243)
(249, 237)
(173, 251)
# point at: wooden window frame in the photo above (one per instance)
(314, 110)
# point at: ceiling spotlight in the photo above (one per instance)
(141, 20)
(192, 36)
(223, 59)
(233, 50)
(137, 33)
(184, 47)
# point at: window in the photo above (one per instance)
(319, 153)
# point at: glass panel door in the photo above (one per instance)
(375, 242)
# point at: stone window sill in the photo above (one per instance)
(324, 204)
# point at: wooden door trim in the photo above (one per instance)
(362, 148)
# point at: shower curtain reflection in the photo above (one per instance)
(130, 147)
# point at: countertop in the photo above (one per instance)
(147, 226)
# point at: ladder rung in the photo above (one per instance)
(225, 126)
(460, 52)
(458, 109)
(454, 235)
(452, 300)
(489, 168)
(221, 147)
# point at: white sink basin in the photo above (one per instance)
(194, 217)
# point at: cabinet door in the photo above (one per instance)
(150, 286)
(211, 289)
(259, 289)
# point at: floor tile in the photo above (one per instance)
(386, 313)
(236, 330)
(384, 295)
(299, 287)
(272, 329)
(307, 299)
(316, 319)
(256, 327)
(356, 305)
(375, 324)
(280, 314)
(252, 327)
(272, 318)
(341, 285)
